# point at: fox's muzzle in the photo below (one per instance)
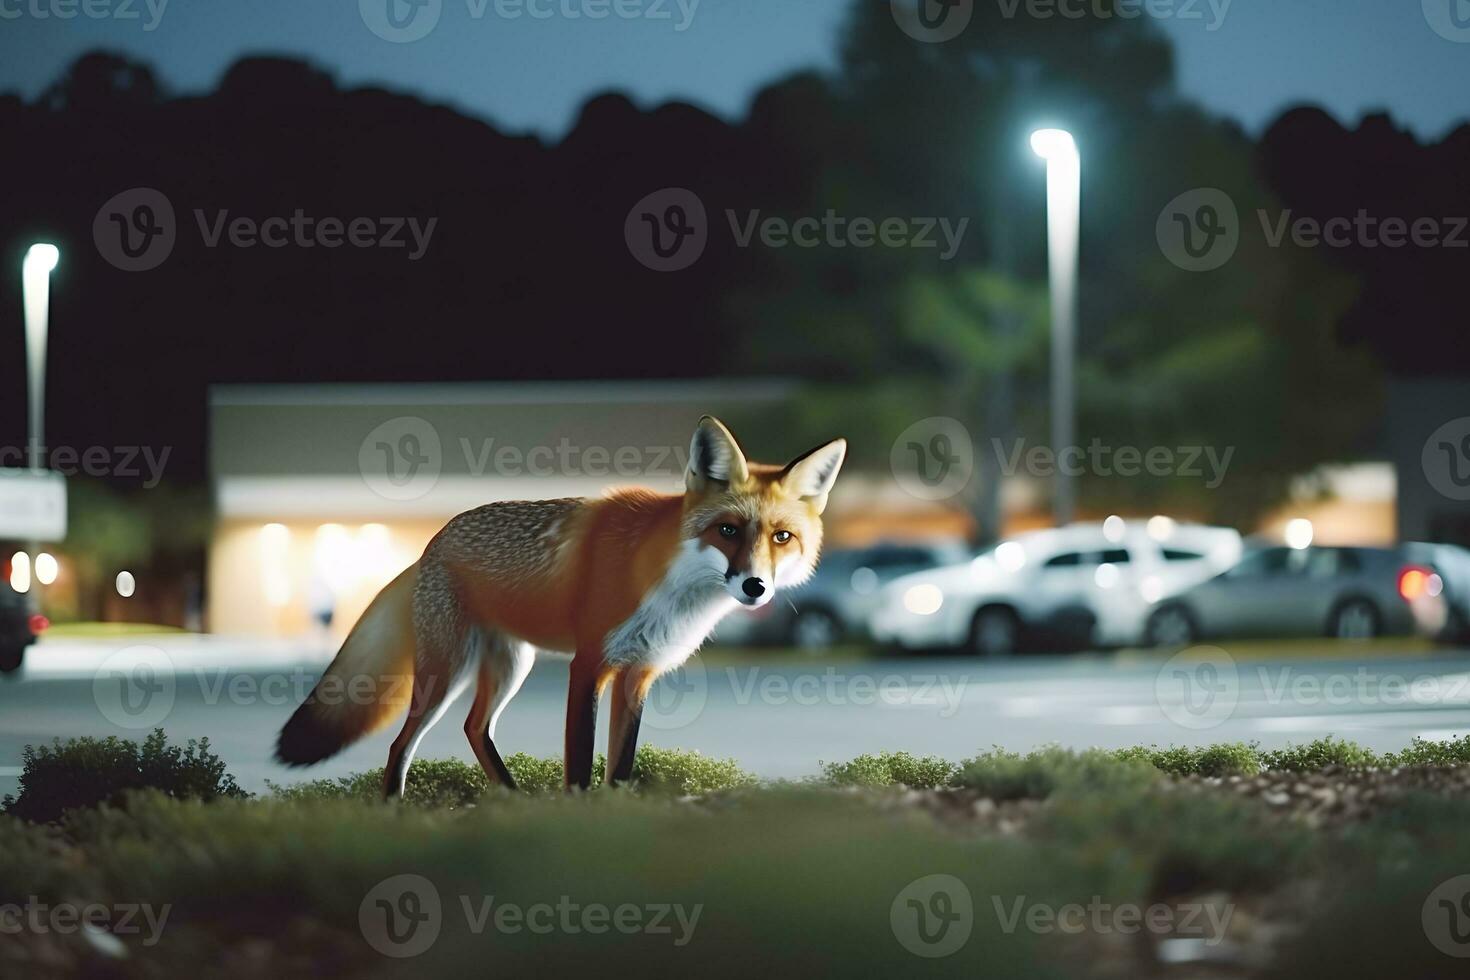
(749, 590)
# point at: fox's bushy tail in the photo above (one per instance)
(367, 685)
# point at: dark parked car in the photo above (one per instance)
(835, 604)
(18, 623)
(1350, 593)
(1448, 583)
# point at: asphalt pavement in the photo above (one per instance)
(780, 718)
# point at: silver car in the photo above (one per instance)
(836, 603)
(1350, 593)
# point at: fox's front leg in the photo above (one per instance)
(629, 693)
(589, 674)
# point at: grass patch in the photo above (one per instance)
(796, 878)
(452, 783)
(1006, 775)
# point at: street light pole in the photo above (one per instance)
(40, 259)
(1063, 230)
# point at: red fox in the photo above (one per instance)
(630, 583)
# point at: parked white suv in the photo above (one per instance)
(1083, 584)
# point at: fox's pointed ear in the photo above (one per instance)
(714, 457)
(811, 475)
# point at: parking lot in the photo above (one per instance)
(783, 714)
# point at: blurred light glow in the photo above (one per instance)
(923, 599)
(41, 257)
(334, 557)
(985, 569)
(20, 572)
(35, 288)
(1151, 588)
(864, 580)
(1010, 556)
(275, 544)
(1063, 237)
(377, 559)
(1299, 533)
(1053, 144)
(1411, 583)
(126, 585)
(1106, 575)
(1113, 528)
(1161, 528)
(46, 568)
(374, 536)
(1416, 582)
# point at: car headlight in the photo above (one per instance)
(923, 600)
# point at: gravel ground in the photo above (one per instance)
(1255, 924)
(1329, 800)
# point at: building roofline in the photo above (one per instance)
(502, 392)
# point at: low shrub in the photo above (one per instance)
(88, 772)
(1004, 775)
(892, 769)
(1455, 752)
(1225, 759)
(1320, 754)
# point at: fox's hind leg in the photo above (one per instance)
(448, 651)
(432, 695)
(504, 664)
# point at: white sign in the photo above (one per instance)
(32, 505)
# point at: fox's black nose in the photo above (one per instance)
(753, 587)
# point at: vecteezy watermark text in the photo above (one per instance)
(1201, 229)
(402, 916)
(833, 230)
(405, 21)
(120, 10)
(136, 230)
(936, 21)
(63, 918)
(1211, 12)
(1192, 462)
(1194, 920)
(136, 687)
(668, 230)
(305, 231)
(1200, 688)
(403, 457)
(832, 687)
(124, 462)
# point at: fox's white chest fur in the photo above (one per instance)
(676, 615)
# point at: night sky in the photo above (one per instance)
(1349, 56)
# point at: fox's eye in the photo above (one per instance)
(781, 537)
(728, 530)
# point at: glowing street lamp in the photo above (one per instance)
(1063, 230)
(35, 275)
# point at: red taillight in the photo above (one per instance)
(1416, 582)
(39, 624)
